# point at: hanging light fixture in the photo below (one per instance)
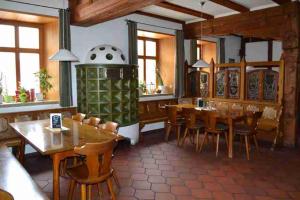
(64, 54)
(201, 63)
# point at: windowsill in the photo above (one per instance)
(35, 103)
(155, 95)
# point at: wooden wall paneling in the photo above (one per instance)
(243, 79)
(51, 41)
(211, 79)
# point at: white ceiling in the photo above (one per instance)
(210, 8)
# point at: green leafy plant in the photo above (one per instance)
(142, 86)
(22, 94)
(159, 79)
(44, 77)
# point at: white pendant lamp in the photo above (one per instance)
(201, 63)
(64, 55)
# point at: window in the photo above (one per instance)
(20, 55)
(147, 61)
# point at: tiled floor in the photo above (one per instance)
(158, 170)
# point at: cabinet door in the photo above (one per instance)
(253, 85)
(234, 84)
(204, 80)
(220, 84)
(270, 82)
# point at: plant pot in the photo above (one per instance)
(39, 97)
(8, 99)
(23, 98)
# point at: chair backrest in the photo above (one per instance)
(171, 113)
(211, 120)
(66, 114)
(189, 116)
(43, 116)
(92, 121)
(254, 119)
(78, 117)
(97, 167)
(23, 118)
(237, 108)
(252, 108)
(109, 126)
(270, 113)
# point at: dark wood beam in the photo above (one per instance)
(87, 13)
(232, 5)
(267, 23)
(160, 17)
(185, 10)
(280, 2)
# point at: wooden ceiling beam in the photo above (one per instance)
(280, 2)
(266, 23)
(232, 5)
(90, 12)
(160, 17)
(185, 10)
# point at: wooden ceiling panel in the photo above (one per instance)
(280, 2)
(185, 10)
(232, 5)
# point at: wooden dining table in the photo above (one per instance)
(226, 117)
(59, 145)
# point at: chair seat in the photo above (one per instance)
(242, 129)
(80, 174)
(221, 127)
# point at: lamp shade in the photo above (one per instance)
(200, 64)
(64, 55)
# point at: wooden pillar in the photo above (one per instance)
(291, 54)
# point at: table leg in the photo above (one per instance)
(230, 138)
(56, 161)
(22, 151)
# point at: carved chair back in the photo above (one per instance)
(78, 117)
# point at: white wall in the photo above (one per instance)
(232, 48)
(13, 6)
(114, 32)
(258, 51)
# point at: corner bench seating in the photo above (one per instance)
(15, 179)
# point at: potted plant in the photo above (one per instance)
(44, 77)
(22, 94)
(142, 88)
(161, 87)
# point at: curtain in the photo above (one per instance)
(132, 42)
(222, 50)
(193, 52)
(65, 79)
(179, 71)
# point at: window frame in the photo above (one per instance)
(145, 57)
(17, 50)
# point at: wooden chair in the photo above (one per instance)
(112, 127)
(66, 114)
(5, 195)
(174, 121)
(94, 170)
(270, 123)
(109, 126)
(211, 126)
(78, 117)
(192, 126)
(237, 108)
(23, 118)
(248, 130)
(92, 121)
(43, 115)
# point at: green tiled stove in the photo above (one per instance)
(108, 91)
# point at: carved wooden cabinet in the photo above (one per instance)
(108, 91)
(262, 85)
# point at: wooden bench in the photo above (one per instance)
(15, 179)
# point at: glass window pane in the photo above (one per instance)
(140, 47)
(150, 48)
(29, 37)
(150, 72)
(29, 64)
(7, 38)
(141, 70)
(8, 69)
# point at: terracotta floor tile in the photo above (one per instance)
(158, 170)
